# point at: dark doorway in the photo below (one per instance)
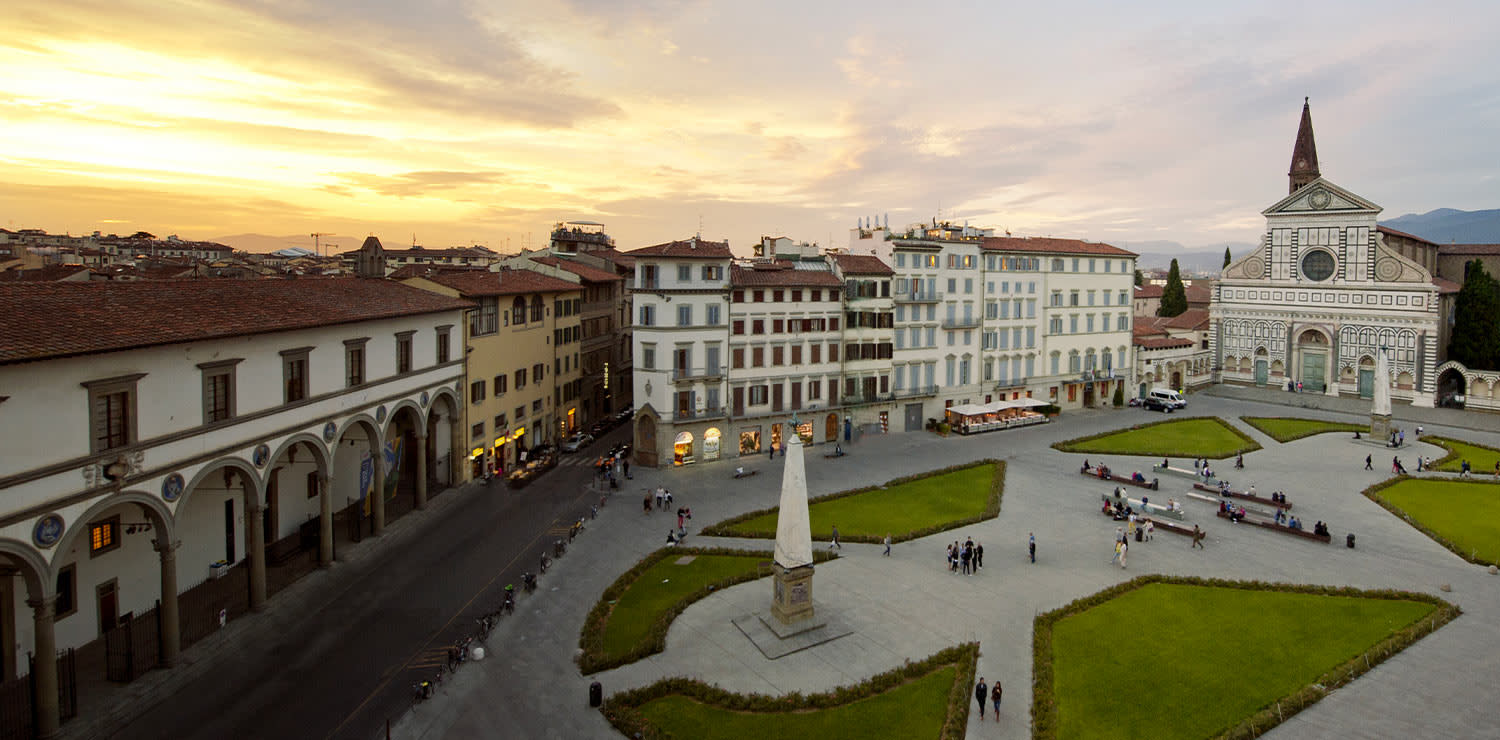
(229, 530)
(109, 606)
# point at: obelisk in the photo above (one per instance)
(793, 563)
(1380, 411)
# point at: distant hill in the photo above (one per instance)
(1191, 259)
(1450, 226)
(262, 243)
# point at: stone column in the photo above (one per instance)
(377, 496)
(171, 634)
(257, 550)
(422, 469)
(325, 521)
(44, 673)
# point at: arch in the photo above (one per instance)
(35, 570)
(242, 466)
(537, 308)
(518, 311)
(154, 508)
(320, 451)
(440, 393)
(1314, 335)
(406, 403)
(831, 428)
(645, 437)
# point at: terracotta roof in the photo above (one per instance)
(48, 320)
(43, 274)
(862, 264)
(1192, 318)
(424, 269)
(1049, 245)
(1446, 287)
(1149, 291)
(474, 283)
(1199, 294)
(780, 273)
(1163, 342)
(694, 247)
(1475, 250)
(591, 274)
(1404, 235)
(613, 255)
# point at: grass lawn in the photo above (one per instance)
(1283, 429)
(1481, 459)
(659, 588)
(1210, 657)
(915, 709)
(1459, 513)
(900, 509)
(1209, 437)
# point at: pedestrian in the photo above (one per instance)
(887, 552)
(835, 541)
(1367, 463)
(1116, 557)
(1150, 529)
(948, 559)
(995, 697)
(966, 556)
(668, 496)
(1299, 386)
(771, 452)
(1197, 538)
(981, 692)
(1463, 471)
(646, 503)
(1401, 438)
(1124, 548)
(953, 557)
(626, 463)
(679, 518)
(1032, 547)
(978, 556)
(1419, 431)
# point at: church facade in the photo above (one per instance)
(1322, 294)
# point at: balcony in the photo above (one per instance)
(917, 392)
(962, 322)
(1012, 384)
(703, 413)
(689, 374)
(918, 296)
(857, 398)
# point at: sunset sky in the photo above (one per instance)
(483, 122)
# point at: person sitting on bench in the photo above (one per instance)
(1294, 524)
(1137, 477)
(1165, 463)
(1239, 513)
(1108, 508)
(1223, 488)
(1252, 489)
(739, 471)
(1280, 516)
(1086, 465)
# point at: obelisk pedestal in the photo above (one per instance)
(1380, 410)
(792, 602)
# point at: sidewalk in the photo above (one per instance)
(1452, 418)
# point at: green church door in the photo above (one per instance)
(1366, 383)
(1262, 372)
(1313, 364)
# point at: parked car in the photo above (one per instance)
(1162, 399)
(577, 442)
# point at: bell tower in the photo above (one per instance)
(1304, 153)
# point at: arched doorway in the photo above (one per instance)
(354, 477)
(443, 444)
(682, 449)
(1142, 391)
(220, 521)
(400, 459)
(711, 444)
(645, 439)
(831, 428)
(1452, 389)
(1262, 366)
(1312, 361)
(295, 482)
(1366, 376)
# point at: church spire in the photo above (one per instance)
(1305, 154)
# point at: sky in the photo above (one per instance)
(452, 123)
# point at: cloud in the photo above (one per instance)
(409, 184)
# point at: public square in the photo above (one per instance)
(909, 606)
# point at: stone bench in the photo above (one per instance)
(1171, 526)
(1093, 472)
(1142, 507)
(1303, 533)
(1241, 495)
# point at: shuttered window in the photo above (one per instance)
(294, 373)
(112, 406)
(403, 352)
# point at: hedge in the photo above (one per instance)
(620, 708)
(725, 528)
(1333, 426)
(1044, 715)
(591, 641)
(1068, 445)
(1453, 454)
(1373, 493)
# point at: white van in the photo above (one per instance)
(1164, 399)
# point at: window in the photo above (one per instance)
(538, 371)
(500, 422)
(1089, 321)
(1073, 324)
(778, 355)
(476, 391)
(777, 295)
(684, 315)
(67, 592)
(796, 296)
(711, 314)
(816, 351)
(713, 272)
(536, 308)
(796, 354)
(759, 296)
(1091, 265)
(684, 273)
(518, 311)
(1055, 327)
(1073, 298)
(1123, 323)
(521, 378)
(833, 352)
(777, 326)
(218, 390)
(104, 536)
(477, 430)
(757, 356)
(1057, 298)
(403, 352)
(1075, 264)
(758, 326)
(499, 384)
(739, 326)
(294, 373)
(648, 315)
(757, 395)
(354, 361)
(442, 344)
(486, 319)
(737, 356)
(536, 406)
(1057, 265)
(520, 413)
(648, 357)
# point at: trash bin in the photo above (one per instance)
(1350, 540)
(596, 694)
(1139, 533)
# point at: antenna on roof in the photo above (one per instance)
(700, 226)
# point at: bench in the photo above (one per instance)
(1303, 533)
(1257, 498)
(1183, 472)
(1171, 526)
(1092, 472)
(745, 473)
(1144, 508)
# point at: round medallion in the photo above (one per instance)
(380, 414)
(1317, 265)
(261, 456)
(171, 487)
(48, 530)
(425, 399)
(1319, 199)
(1387, 270)
(1254, 267)
(329, 430)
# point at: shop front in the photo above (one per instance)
(750, 440)
(711, 444)
(682, 449)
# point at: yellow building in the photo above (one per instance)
(523, 341)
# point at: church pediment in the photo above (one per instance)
(1249, 267)
(1322, 196)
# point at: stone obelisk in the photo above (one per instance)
(1380, 412)
(793, 563)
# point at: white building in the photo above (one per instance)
(159, 434)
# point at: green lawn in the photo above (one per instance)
(913, 710)
(1186, 661)
(1481, 459)
(900, 509)
(659, 588)
(1284, 429)
(1209, 437)
(1460, 512)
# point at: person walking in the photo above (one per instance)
(1150, 529)
(1367, 463)
(1032, 547)
(887, 552)
(835, 541)
(1116, 557)
(981, 692)
(1197, 538)
(978, 556)
(995, 697)
(948, 559)
(1124, 548)
(966, 557)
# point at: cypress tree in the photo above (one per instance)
(1174, 296)
(1226, 256)
(1139, 279)
(1476, 334)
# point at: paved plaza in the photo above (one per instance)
(909, 606)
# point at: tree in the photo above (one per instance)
(1476, 334)
(1139, 279)
(1174, 296)
(1226, 256)
(1119, 394)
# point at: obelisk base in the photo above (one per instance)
(792, 602)
(1380, 428)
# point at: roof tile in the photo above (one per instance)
(1048, 245)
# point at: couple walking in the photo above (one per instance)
(983, 692)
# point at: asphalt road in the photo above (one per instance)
(347, 668)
